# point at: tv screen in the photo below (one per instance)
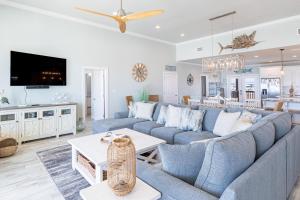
(36, 70)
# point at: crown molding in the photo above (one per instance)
(77, 20)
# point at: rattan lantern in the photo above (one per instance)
(121, 171)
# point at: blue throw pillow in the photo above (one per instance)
(183, 161)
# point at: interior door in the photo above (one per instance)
(97, 95)
(170, 87)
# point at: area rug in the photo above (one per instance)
(58, 162)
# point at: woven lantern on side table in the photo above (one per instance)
(121, 171)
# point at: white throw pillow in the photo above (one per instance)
(144, 110)
(162, 115)
(241, 125)
(225, 123)
(250, 117)
(173, 116)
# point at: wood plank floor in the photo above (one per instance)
(23, 176)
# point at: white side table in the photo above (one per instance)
(141, 191)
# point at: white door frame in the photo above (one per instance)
(91, 68)
(169, 72)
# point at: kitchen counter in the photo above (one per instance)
(34, 106)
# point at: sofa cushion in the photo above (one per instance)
(191, 136)
(171, 188)
(173, 157)
(264, 136)
(210, 118)
(146, 127)
(100, 126)
(282, 122)
(225, 159)
(165, 133)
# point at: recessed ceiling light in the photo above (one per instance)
(157, 26)
(270, 61)
(294, 56)
(256, 56)
(182, 35)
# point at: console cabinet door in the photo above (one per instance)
(48, 122)
(9, 125)
(31, 125)
(67, 120)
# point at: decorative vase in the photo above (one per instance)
(121, 171)
(144, 96)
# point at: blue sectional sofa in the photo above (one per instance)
(272, 148)
(270, 160)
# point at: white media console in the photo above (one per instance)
(37, 121)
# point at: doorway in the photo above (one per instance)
(95, 97)
(170, 87)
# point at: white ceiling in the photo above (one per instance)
(269, 57)
(181, 16)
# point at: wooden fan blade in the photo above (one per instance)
(95, 12)
(122, 26)
(140, 15)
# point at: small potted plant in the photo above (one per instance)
(3, 100)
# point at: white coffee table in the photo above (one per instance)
(96, 152)
(141, 191)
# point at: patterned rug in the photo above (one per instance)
(59, 165)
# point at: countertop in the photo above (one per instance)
(35, 106)
(285, 99)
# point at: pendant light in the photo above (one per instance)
(231, 62)
(281, 70)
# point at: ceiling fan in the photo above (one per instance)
(122, 17)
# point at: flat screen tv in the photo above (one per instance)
(36, 70)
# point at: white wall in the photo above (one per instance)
(183, 70)
(273, 34)
(82, 45)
